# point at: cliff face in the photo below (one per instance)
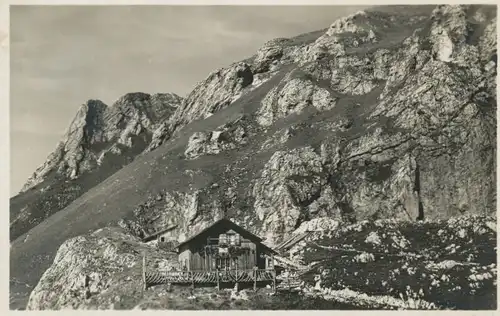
(382, 115)
(100, 140)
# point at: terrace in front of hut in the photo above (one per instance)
(223, 253)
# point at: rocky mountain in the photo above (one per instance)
(100, 140)
(385, 114)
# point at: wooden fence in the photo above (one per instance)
(208, 277)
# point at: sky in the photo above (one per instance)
(62, 56)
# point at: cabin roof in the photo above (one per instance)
(290, 242)
(159, 232)
(232, 226)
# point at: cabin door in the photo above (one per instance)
(224, 264)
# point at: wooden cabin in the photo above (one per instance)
(224, 246)
(163, 238)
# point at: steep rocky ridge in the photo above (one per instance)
(357, 122)
(100, 140)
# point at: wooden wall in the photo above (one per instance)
(200, 261)
(247, 260)
(194, 256)
(185, 258)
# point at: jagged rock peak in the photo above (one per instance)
(94, 104)
(149, 102)
(133, 97)
(98, 129)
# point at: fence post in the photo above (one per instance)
(255, 278)
(274, 280)
(236, 278)
(192, 278)
(144, 270)
(218, 282)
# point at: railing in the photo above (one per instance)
(207, 277)
(203, 276)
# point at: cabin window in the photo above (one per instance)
(162, 239)
(231, 238)
(222, 239)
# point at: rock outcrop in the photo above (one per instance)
(289, 184)
(226, 137)
(296, 95)
(97, 271)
